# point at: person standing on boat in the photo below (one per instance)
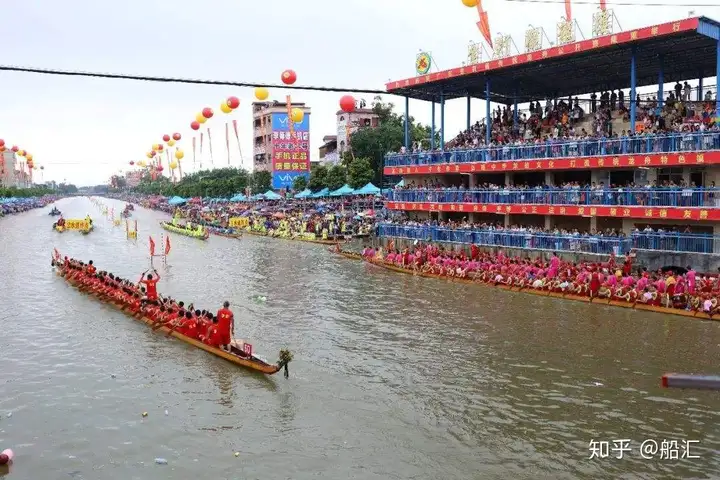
(225, 326)
(150, 283)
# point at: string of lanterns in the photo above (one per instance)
(227, 106)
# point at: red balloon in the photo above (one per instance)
(347, 103)
(176, 136)
(195, 125)
(132, 163)
(2, 143)
(15, 148)
(159, 168)
(160, 148)
(289, 77)
(166, 138)
(153, 153)
(207, 112)
(233, 102)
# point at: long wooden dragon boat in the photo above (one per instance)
(295, 239)
(543, 293)
(238, 356)
(180, 230)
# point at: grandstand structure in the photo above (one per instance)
(680, 51)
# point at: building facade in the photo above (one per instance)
(263, 146)
(12, 173)
(347, 123)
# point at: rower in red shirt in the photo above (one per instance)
(188, 327)
(150, 286)
(91, 268)
(225, 325)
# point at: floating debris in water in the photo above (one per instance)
(166, 413)
(161, 461)
(9, 414)
(261, 298)
(113, 376)
(237, 454)
(144, 414)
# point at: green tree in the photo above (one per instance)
(37, 191)
(359, 172)
(336, 177)
(300, 183)
(318, 178)
(261, 181)
(374, 143)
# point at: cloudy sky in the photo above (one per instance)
(84, 129)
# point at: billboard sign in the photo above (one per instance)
(291, 151)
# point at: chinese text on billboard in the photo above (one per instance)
(291, 151)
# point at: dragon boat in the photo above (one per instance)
(181, 230)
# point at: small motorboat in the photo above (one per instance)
(55, 212)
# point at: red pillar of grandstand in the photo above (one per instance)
(488, 119)
(661, 81)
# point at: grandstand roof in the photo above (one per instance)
(596, 64)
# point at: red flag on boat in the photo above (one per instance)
(167, 245)
(152, 246)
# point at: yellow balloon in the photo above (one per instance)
(225, 108)
(470, 3)
(171, 142)
(29, 157)
(297, 115)
(141, 163)
(149, 155)
(179, 154)
(200, 118)
(173, 165)
(156, 147)
(261, 93)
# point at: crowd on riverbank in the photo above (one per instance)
(11, 206)
(682, 288)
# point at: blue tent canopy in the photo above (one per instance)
(342, 191)
(238, 198)
(270, 195)
(305, 193)
(322, 193)
(177, 201)
(368, 189)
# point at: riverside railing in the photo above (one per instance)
(656, 197)
(668, 241)
(562, 148)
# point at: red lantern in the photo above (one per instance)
(176, 136)
(347, 103)
(289, 77)
(207, 112)
(195, 125)
(160, 148)
(166, 138)
(15, 148)
(132, 163)
(2, 143)
(153, 153)
(233, 102)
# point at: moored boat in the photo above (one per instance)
(237, 356)
(58, 228)
(297, 239)
(181, 230)
(54, 212)
(544, 293)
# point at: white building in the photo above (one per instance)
(350, 122)
(10, 171)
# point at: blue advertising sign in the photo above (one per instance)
(290, 151)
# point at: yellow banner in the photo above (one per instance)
(75, 224)
(239, 222)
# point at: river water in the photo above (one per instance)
(394, 377)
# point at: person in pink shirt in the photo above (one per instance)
(690, 277)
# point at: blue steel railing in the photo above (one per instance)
(674, 142)
(669, 241)
(659, 197)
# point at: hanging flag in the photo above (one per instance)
(484, 24)
(201, 145)
(212, 162)
(167, 245)
(568, 10)
(227, 141)
(152, 247)
(237, 138)
(193, 144)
